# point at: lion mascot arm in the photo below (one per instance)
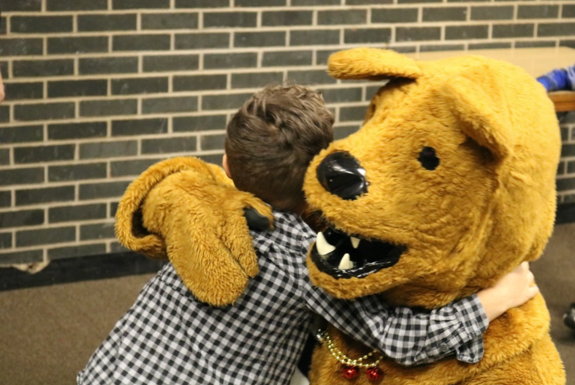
(190, 212)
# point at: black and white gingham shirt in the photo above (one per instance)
(168, 337)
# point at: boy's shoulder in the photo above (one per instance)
(290, 232)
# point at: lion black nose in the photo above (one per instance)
(342, 175)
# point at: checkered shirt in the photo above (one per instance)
(168, 337)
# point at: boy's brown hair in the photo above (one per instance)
(272, 139)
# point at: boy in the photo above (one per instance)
(169, 337)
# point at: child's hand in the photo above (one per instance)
(513, 290)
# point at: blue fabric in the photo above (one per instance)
(561, 79)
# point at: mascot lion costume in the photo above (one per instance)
(448, 186)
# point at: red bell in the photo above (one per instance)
(350, 372)
(374, 373)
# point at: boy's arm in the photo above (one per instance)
(412, 337)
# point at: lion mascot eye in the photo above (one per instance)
(428, 158)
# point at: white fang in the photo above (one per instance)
(323, 247)
(354, 242)
(345, 263)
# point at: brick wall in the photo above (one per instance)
(98, 90)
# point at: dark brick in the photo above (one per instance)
(40, 24)
(97, 231)
(108, 65)
(19, 257)
(200, 82)
(441, 47)
(21, 91)
(256, 80)
(4, 159)
(260, 3)
(44, 153)
(141, 43)
(170, 21)
(21, 218)
(108, 107)
(76, 251)
(567, 150)
(473, 46)
(367, 35)
(417, 1)
(91, 23)
(108, 149)
(445, 14)
(21, 176)
(77, 130)
(230, 60)
(77, 213)
(3, 26)
(399, 15)
(568, 11)
(466, 32)
(5, 198)
(171, 145)
(139, 127)
(224, 102)
(139, 86)
(21, 47)
(47, 111)
(537, 11)
(171, 63)
(4, 114)
(287, 58)
(315, 2)
(492, 13)
(45, 236)
(88, 44)
(130, 167)
(513, 30)
(347, 114)
(556, 29)
(565, 184)
(533, 44)
(342, 95)
(212, 158)
(76, 5)
(571, 167)
(140, 4)
(21, 134)
(212, 142)
(341, 132)
(315, 37)
(564, 132)
(202, 40)
(35, 68)
(367, 2)
(21, 5)
(259, 39)
(202, 3)
(567, 43)
(345, 17)
(561, 168)
(77, 172)
(311, 77)
(5, 241)
(4, 69)
(230, 19)
(74, 88)
(287, 18)
(173, 104)
(102, 190)
(199, 123)
(417, 33)
(45, 195)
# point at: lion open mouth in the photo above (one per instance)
(343, 256)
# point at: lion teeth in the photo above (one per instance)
(355, 242)
(322, 245)
(345, 263)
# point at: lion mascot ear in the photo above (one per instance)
(372, 64)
